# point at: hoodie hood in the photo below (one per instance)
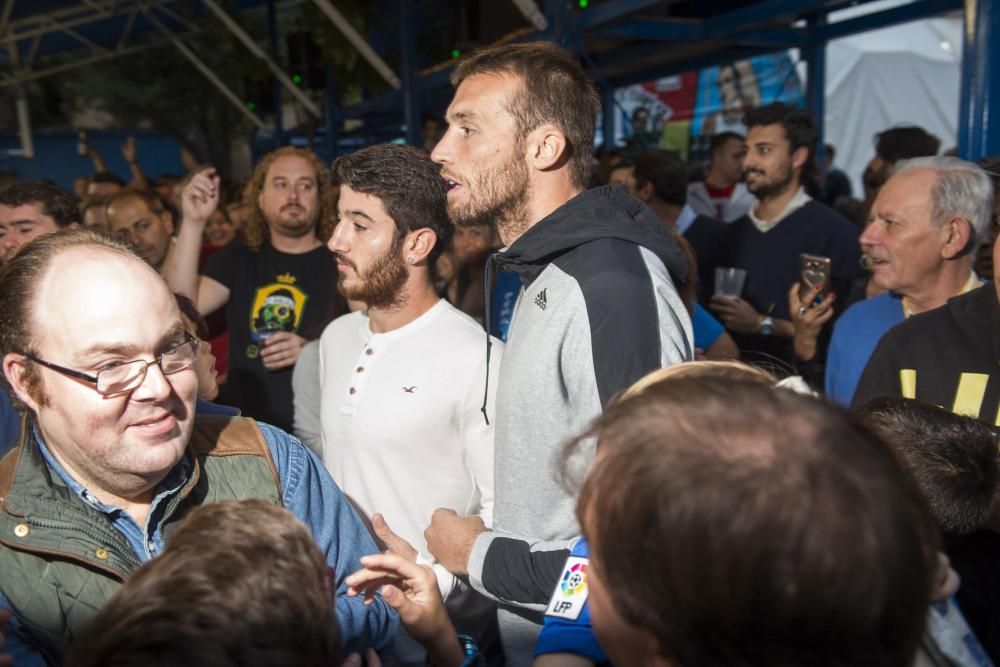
(604, 212)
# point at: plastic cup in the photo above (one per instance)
(729, 281)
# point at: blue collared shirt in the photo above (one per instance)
(308, 492)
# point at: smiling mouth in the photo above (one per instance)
(157, 425)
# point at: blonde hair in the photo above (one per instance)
(723, 370)
(256, 230)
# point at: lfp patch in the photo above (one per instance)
(571, 593)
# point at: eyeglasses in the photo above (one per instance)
(126, 376)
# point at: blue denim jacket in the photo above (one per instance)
(308, 492)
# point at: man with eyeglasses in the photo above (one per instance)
(112, 455)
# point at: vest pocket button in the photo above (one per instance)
(102, 554)
(21, 530)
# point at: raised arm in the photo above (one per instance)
(130, 154)
(199, 199)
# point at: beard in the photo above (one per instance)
(502, 199)
(381, 285)
(774, 186)
(291, 226)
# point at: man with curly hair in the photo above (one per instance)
(277, 285)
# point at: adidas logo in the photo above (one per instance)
(540, 300)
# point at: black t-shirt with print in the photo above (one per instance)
(271, 291)
(946, 357)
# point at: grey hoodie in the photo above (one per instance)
(598, 310)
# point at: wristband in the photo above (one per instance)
(471, 651)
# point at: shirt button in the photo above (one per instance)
(101, 554)
(21, 530)
(151, 546)
(352, 391)
(369, 351)
(360, 368)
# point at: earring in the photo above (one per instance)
(409, 259)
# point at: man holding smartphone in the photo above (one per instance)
(784, 222)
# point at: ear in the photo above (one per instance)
(645, 192)
(546, 148)
(955, 236)
(418, 245)
(15, 369)
(799, 157)
(168, 222)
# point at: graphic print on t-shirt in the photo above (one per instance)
(278, 306)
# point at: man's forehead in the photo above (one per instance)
(291, 166)
(482, 95)
(128, 209)
(909, 191)
(353, 201)
(773, 133)
(31, 211)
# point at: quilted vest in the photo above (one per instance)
(60, 559)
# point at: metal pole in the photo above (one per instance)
(978, 135)
(330, 107)
(23, 113)
(248, 42)
(608, 117)
(206, 71)
(411, 96)
(355, 38)
(815, 54)
(276, 102)
(530, 10)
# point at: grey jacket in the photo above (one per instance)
(598, 311)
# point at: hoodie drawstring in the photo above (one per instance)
(488, 275)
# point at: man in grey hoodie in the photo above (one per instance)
(598, 309)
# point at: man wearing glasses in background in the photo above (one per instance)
(113, 455)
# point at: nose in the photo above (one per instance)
(337, 242)
(441, 154)
(871, 234)
(155, 385)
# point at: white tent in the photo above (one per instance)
(904, 75)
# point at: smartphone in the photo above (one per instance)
(813, 270)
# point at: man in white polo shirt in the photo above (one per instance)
(406, 425)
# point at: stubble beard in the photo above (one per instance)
(775, 187)
(502, 202)
(381, 286)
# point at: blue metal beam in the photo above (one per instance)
(756, 14)
(411, 96)
(655, 29)
(611, 11)
(902, 14)
(979, 126)
(815, 56)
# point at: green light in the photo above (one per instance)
(584, 4)
(251, 106)
(455, 53)
(296, 78)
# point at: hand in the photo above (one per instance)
(450, 538)
(5, 659)
(128, 150)
(409, 588)
(737, 314)
(200, 196)
(281, 350)
(391, 541)
(808, 320)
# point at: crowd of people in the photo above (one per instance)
(496, 401)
